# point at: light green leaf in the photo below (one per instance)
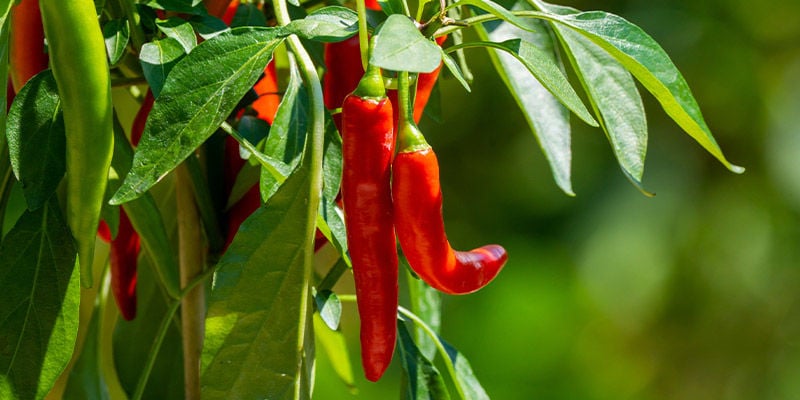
(329, 308)
(454, 69)
(335, 347)
(180, 30)
(465, 377)
(399, 46)
(36, 139)
(328, 24)
(613, 94)
(426, 303)
(546, 116)
(257, 314)
(198, 95)
(116, 34)
(40, 294)
(158, 58)
(650, 64)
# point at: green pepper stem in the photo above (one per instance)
(371, 84)
(409, 137)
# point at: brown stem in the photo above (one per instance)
(191, 249)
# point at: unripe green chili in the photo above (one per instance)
(79, 64)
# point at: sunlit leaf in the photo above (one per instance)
(399, 46)
(423, 380)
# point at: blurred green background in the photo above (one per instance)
(692, 294)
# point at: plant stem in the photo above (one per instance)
(363, 33)
(191, 250)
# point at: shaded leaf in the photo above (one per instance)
(116, 34)
(40, 294)
(36, 139)
(208, 26)
(198, 95)
(426, 303)
(423, 380)
(328, 24)
(158, 58)
(329, 308)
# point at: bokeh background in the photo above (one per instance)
(692, 294)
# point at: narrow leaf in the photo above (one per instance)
(36, 139)
(613, 94)
(651, 65)
(40, 294)
(546, 116)
(465, 377)
(257, 313)
(423, 380)
(399, 46)
(426, 303)
(198, 95)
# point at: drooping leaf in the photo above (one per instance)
(546, 116)
(465, 378)
(426, 303)
(650, 64)
(116, 34)
(40, 294)
(158, 58)
(257, 313)
(454, 69)
(331, 218)
(198, 95)
(329, 308)
(422, 380)
(613, 94)
(328, 24)
(36, 140)
(180, 30)
(399, 46)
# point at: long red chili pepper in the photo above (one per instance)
(367, 149)
(344, 71)
(417, 198)
(26, 45)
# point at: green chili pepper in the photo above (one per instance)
(79, 64)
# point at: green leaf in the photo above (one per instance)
(465, 377)
(36, 139)
(40, 294)
(422, 379)
(147, 220)
(329, 308)
(335, 346)
(208, 26)
(650, 64)
(180, 30)
(158, 58)
(328, 24)
(546, 116)
(454, 69)
(116, 34)
(331, 218)
(426, 303)
(192, 7)
(86, 380)
(399, 46)
(257, 312)
(198, 95)
(540, 64)
(612, 93)
(248, 15)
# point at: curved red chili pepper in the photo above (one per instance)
(367, 149)
(26, 43)
(417, 197)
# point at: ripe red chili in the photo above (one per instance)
(343, 61)
(268, 94)
(367, 149)
(26, 43)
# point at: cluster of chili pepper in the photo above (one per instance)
(386, 194)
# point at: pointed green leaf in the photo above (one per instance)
(546, 116)
(426, 303)
(180, 30)
(329, 308)
(651, 65)
(116, 34)
(199, 94)
(40, 294)
(423, 380)
(248, 14)
(36, 139)
(257, 313)
(540, 64)
(208, 26)
(328, 24)
(399, 46)
(158, 58)
(465, 377)
(454, 69)
(613, 94)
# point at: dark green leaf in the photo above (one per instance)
(335, 347)
(547, 117)
(452, 66)
(331, 218)
(208, 26)
(399, 46)
(613, 94)
(392, 6)
(465, 377)
(257, 307)
(158, 58)
(248, 15)
(86, 378)
(329, 308)
(198, 95)
(192, 7)
(180, 30)
(423, 380)
(40, 294)
(36, 140)
(328, 24)
(116, 33)
(650, 64)
(426, 303)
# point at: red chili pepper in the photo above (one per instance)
(124, 255)
(268, 94)
(230, 12)
(343, 61)
(26, 48)
(417, 197)
(218, 8)
(367, 149)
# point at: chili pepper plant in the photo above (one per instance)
(184, 184)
